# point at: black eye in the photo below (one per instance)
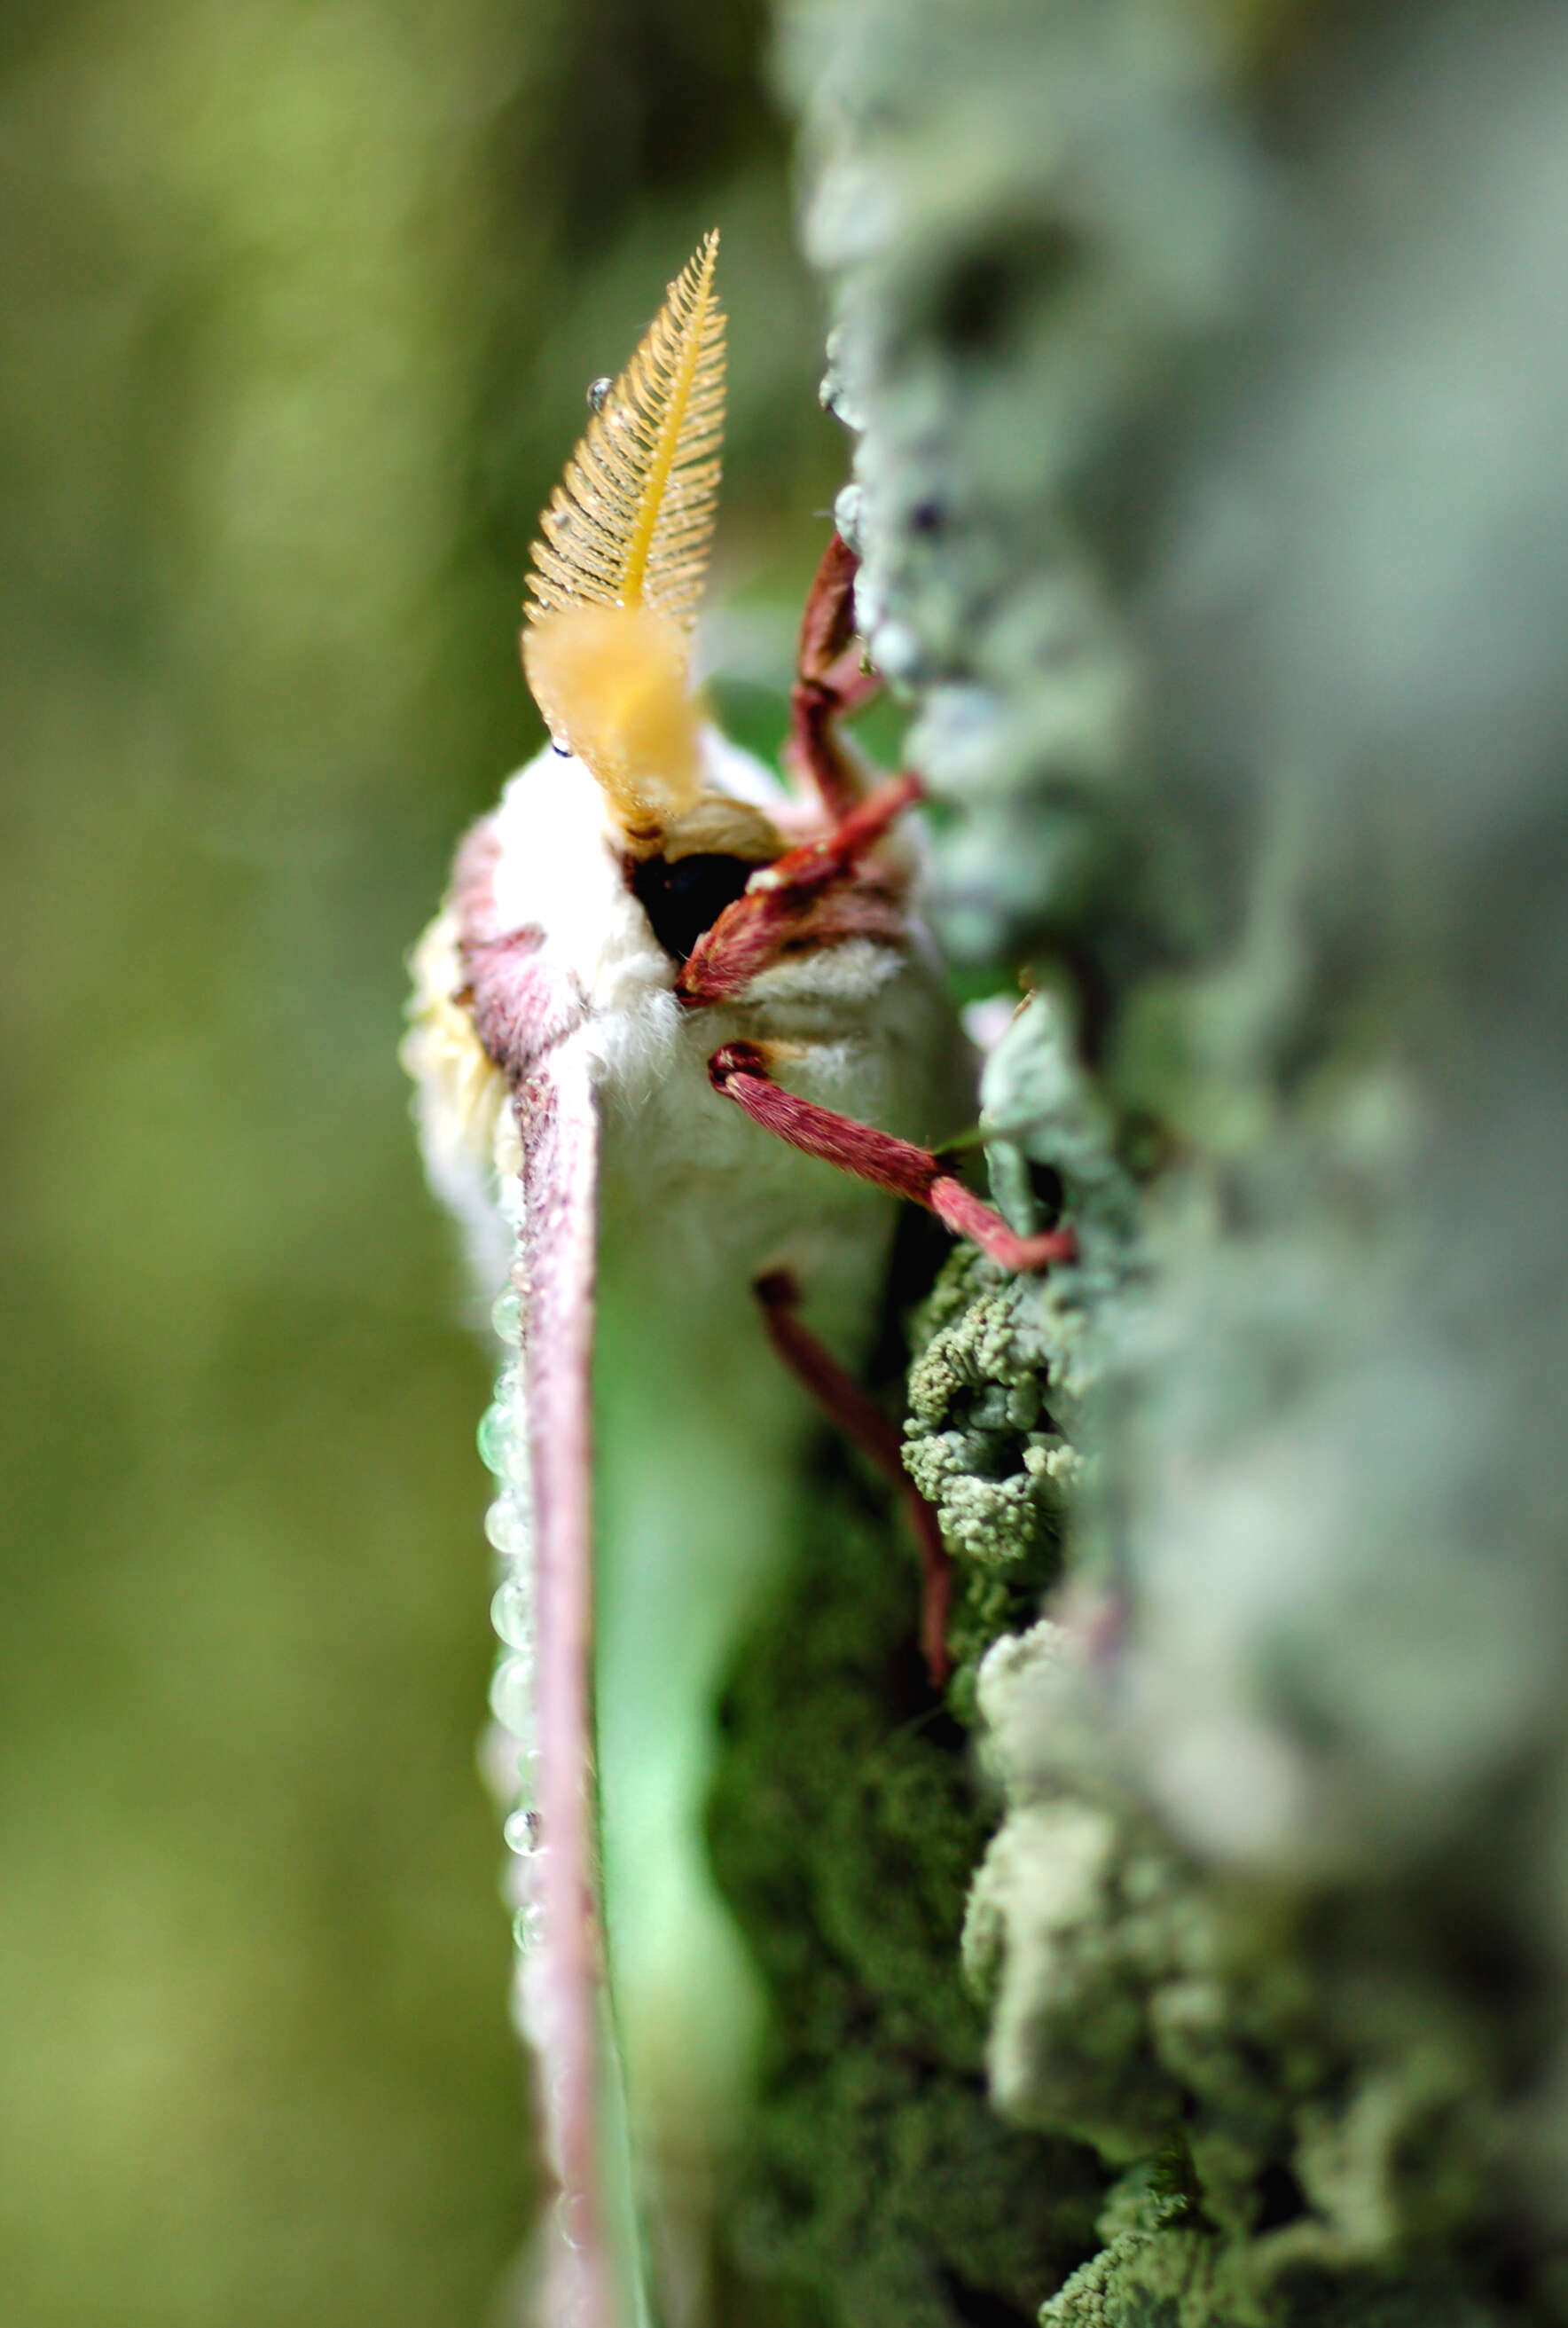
(683, 899)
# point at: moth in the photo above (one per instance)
(681, 1015)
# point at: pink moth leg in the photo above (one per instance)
(862, 1420)
(740, 1071)
(831, 681)
(811, 895)
(822, 893)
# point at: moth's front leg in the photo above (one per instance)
(833, 681)
(822, 894)
(742, 1072)
(861, 1420)
(816, 894)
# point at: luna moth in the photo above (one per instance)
(677, 1020)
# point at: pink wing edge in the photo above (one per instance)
(559, 1121)
(529, 1022)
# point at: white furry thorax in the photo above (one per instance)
(869, 1029)
(560, 870)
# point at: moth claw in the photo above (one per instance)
(735, 1059)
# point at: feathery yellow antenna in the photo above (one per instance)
(631, 522)
(617, 576)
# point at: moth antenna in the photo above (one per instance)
(618, 572)
(631, 522)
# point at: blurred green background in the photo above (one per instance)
(298, 306)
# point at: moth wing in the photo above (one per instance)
(528, 1022)
(557, 1122)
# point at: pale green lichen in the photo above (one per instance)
(1005, 1365)
(1160, 2269)
(1154, 2270)
(1036, 220)
(986, 1448)
(1167, 2018)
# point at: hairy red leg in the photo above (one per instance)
(740, 1072)
(830, 681)
(788, 900)
(817, 894)
(862, 1420)
(815, 863)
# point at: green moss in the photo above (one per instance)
(1162, 2266)
(1156, 2268)
(845, 1823)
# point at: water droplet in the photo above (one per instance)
(506, 1527)
(512, 1697)
(509, 1197)
(521, 1832)
(598, 392)
(512, 1614)
(494, 1436)
(526, 1927)
(506, 1315)
(518, 1477)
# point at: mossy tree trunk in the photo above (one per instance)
(1209, 379)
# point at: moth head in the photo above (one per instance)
(610, 682)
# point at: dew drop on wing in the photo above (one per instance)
(521, 1832)
(494, 1437)
(506, 1527)
(512, 1695)
(511, 1615)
